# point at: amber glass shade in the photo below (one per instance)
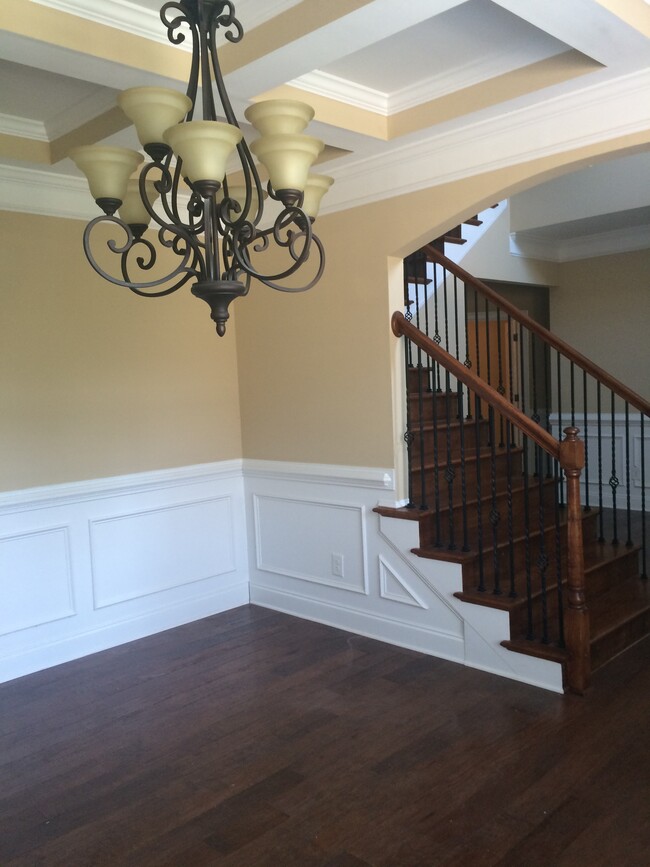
(153, 110)
(204, 146)
(279, 116)
(132, 210)
(287, 158)
(107, 169)
(317, 186)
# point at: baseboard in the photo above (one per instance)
(366, 623)
(122, 631)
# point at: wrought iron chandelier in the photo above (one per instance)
(216, 237)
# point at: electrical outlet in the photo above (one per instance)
(337, 565)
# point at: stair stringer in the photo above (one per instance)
(483, 628)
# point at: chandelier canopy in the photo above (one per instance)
(211, 224)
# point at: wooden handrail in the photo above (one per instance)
(570, 454)
(547, 336)
(401, 326)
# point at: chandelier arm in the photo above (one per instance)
(124, 249)
(305, 236)
(321, 267)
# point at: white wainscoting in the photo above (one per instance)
(90, 565)
(305, 520)
(631, 457)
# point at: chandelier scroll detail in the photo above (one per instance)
(210, 224)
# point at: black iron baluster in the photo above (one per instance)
(436, 336)
(530, 634)
(628, 501)
(558, 557)
(644, 571)
(495, 516)
(599, 420)
(456, 317)
(500, 388)
(560, 423)
(511, 547)
(446, 308)
(436, 466)
(547, 392)
(468, 361)
(479, 501)
(511, 395)
(463, 473)
(450, 472)
(535, 407)
(573, 394)
(542, 558)
(585, 436)
(613, 479)
(477, 343)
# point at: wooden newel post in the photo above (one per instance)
(576, 621)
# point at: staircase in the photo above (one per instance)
(541, 530)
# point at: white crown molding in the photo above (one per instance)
(530, 245)
(343, 90)
(35, 191)
(22, 127)
(141, 21)
(587, 117)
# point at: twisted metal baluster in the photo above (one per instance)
(479, 500)
(495, 516)
(542, 559)
(644, 571)
(613, 479)
(511, 547)
(601, 528)
(450, 473)
(585, 436)
(529, 590)
(558, 559)
(628, 506)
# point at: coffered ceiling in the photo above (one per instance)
(404, 94)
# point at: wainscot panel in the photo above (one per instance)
(316, 552)
(90, 565)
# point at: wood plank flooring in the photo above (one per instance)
(254, 739)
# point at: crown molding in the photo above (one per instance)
(342, 90)
(580, 119)
(22, 127)
(426, 89)
(530, 245)
(600, 113)
(51, 194)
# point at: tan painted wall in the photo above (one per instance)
(602, 307)
(95, 381)
(318, 372)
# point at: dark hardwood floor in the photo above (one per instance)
(253, 738)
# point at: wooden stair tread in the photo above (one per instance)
(431, 552)
(617, 606)
(480, 454)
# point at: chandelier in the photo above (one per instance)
(212, 223)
